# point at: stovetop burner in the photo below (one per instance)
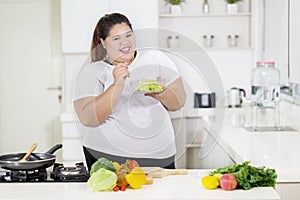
(29, 176)
(59, 173)
(69, 174)
(39, 175)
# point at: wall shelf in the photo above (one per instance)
(218, 23)
(204, 15)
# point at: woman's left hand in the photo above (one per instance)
(173, 96)
(159, 95)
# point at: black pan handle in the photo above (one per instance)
(54, 148)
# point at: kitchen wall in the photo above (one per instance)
(228, 62)
(234, 67)
(30, 52)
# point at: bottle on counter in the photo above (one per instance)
(205, 7)
(265, 90)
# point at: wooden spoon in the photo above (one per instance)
(30, 150)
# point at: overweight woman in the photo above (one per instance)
(114, 121)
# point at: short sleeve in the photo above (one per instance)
(88, 82)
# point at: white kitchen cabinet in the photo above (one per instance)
(282, 40)
(198, 26)
(72, 151)
(294, 41)
(208, 154)
(79, 18)
(196, 147)
(275, 36)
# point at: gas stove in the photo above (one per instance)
(59, 173)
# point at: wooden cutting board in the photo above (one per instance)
(158, 172)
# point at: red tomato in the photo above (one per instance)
(123, 188)
(116, 189)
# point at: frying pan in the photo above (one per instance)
(35, 160)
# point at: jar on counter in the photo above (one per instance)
(265, 84)
(265, 93)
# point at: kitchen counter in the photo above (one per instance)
(171, 187)
(275, 149)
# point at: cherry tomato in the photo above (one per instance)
(116, 189)
(123, 188)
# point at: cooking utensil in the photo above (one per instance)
(34, 161)
(158, 172)
(30, 150)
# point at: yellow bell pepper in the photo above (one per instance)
(136, 178)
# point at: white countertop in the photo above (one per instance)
(279, 150)
(171, 187)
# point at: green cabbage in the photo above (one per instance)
(102, 180)
(102, 163)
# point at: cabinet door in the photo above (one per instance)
(294, 47)
(209, 155)
(144, 13)
(276, 35)
(79, 17)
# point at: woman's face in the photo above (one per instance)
(120, 44)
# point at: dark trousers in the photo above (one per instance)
(92, 156)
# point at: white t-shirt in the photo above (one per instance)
(139, 126)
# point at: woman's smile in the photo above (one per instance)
(120, 44)
(125, 50)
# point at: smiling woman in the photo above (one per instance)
(115, 122)
(108, 40)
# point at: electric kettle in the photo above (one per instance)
(235, 97)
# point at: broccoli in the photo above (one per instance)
(102, 163)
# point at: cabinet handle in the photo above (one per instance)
(54, 88)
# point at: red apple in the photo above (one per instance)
(228, 182)
(131, 164)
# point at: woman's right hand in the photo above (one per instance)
(120, 73)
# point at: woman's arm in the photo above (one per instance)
(93, 111)
(173, 96)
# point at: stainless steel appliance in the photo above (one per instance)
(37, 168)
(60, 173)
(235, 97)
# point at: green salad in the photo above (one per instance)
(148, 86)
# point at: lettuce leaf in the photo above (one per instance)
(249, 176)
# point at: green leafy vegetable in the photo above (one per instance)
(249, 176)
(102, 180)
(102, 163)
